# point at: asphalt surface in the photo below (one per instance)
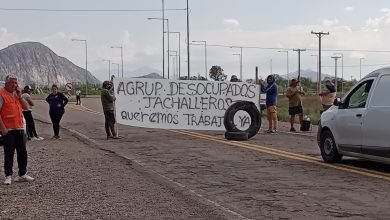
(271, 176)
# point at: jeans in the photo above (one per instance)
(109, 123)
(55, 119)
(30, 124)
(15, 139)
(78, 100)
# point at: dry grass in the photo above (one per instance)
(311, 107)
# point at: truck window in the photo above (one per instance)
(381, 91)
(358, 97)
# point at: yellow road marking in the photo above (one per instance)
(84, 109)
(272, 151)
(290, 155)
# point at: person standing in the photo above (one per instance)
(57, 102)
(295, 103)
(234, 78)
(30, 124)
(11, 126)
(78, 97)
(108, 99)
(328, 95)
(271, 91)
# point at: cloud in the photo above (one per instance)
(231, 24)
(385, 10)
(375, 24)
(329, 23)
(3, 32)
(349, 8)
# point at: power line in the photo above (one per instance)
(291, 49)
(88, 10)
(379, 64)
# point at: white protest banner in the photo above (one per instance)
(174, 104)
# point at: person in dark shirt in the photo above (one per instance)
(108, 100)
(57, 102)
(271, 100)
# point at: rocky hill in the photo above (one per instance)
(36, 64)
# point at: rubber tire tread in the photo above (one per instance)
(236, 136)
(248, 107)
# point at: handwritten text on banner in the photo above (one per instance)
(173, 104)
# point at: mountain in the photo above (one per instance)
(308, 73)
(144, 71)
(151, 76)
(34, 63)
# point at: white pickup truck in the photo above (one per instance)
(357, 124)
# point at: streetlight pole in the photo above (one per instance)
(120, 47)
(109, 68)
(188, 43)
(118, 67)
(335, 71)
(163, 38)
(176, 32)
(167, 20)
(205, 54)
(361, 58)
(175, 62)
(86, 65)
(318, 74)
(286, 51)
(239, 54)
(240, 60)
(342, 71)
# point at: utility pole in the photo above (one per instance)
(319, 35)
(335, 71)
(299, 61)
(163, 39)
(188, 43)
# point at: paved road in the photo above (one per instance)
(270, 176)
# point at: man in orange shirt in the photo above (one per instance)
(11, 127)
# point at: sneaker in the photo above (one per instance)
(274, 130)
(40, 138)
(116, 137)
(25, 178)
(8, 180)
(270, 131)
(292, 129)
(34, 139)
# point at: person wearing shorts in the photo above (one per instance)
(294, 103)
(271, 91)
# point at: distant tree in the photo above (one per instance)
(201, 77)
(198, 77)
(216, 73)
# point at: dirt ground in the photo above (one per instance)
(75, 181)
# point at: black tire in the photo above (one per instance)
(236, 136)
(328, 148)
(253, 112)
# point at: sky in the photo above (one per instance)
(358, 29)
